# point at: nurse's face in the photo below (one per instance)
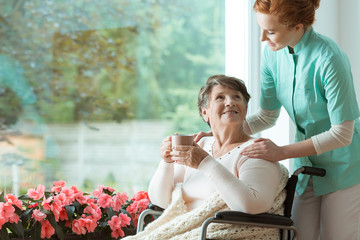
(278, 35)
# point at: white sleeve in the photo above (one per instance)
(262, 120)
(163, 182)
(252, 192)
(338, 136)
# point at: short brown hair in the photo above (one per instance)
(290, 12)
(227, 81)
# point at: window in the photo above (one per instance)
(90, 88)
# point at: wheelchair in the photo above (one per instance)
(282, 222)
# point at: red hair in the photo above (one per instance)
(290, 12)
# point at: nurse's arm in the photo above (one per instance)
(338, 136)
(266, 149)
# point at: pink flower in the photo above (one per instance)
(118, 200)
(54, 205)
(56, 209)
(46, 203)
(79, 196)
(140, 195)
(117, 223)
(46, 229)
(136, 208)
(104, 201)
(13, 200)
(101, 189)
(110, 189)
(7, 213)
(33, 205)
(78, 227)
(37, 193)
(93, 210)
(90, 223)
(58, 185)
(61, 199)
(38, 215)
(2, 221)
(63, 215)
(69, 194)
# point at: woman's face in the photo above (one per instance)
(277, 35)
(225, 106)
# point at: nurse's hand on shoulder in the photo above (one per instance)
(190, 156)
(265, 149)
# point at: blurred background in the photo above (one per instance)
(88, 89)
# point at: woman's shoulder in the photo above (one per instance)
(206, 141)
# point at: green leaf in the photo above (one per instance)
(110, 212)
(103, 224)
(126, 212)
(52, 220)
(77, 207)
(16, 228)
(108, 192)
(24, 197)
(26, 215)
(4, 235)
(18, 210)
(36, 231)
(70, 211)
(59, 232)
(2, 197)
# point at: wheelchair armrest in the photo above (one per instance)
(313, 171)
(152, 209)
(264, 218)
(155, 207)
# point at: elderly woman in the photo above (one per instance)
(193, 182)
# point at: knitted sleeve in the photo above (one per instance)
(338, 136)
(252, 191)
(261, 120)
(163, 182)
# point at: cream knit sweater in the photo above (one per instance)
(176, 223)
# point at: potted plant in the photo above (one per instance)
(68, 213)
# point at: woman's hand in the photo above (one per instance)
(265, 149)
(199, 135)
(165, 150)
(190, 156)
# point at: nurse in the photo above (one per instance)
(310, 76)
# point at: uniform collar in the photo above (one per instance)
(303, 41)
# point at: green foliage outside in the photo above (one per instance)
(112, 60)
(66, 62)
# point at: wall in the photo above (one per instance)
(340, 20)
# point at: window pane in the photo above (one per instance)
(88, 89)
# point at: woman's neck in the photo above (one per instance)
(226, 139)
(297, 38)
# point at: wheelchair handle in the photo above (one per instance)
(154, 207)
(314, 171)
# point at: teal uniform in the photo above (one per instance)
(315, 85)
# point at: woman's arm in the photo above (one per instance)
(338, 136)
(163, 182)
(166, 176)
(253, 191)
